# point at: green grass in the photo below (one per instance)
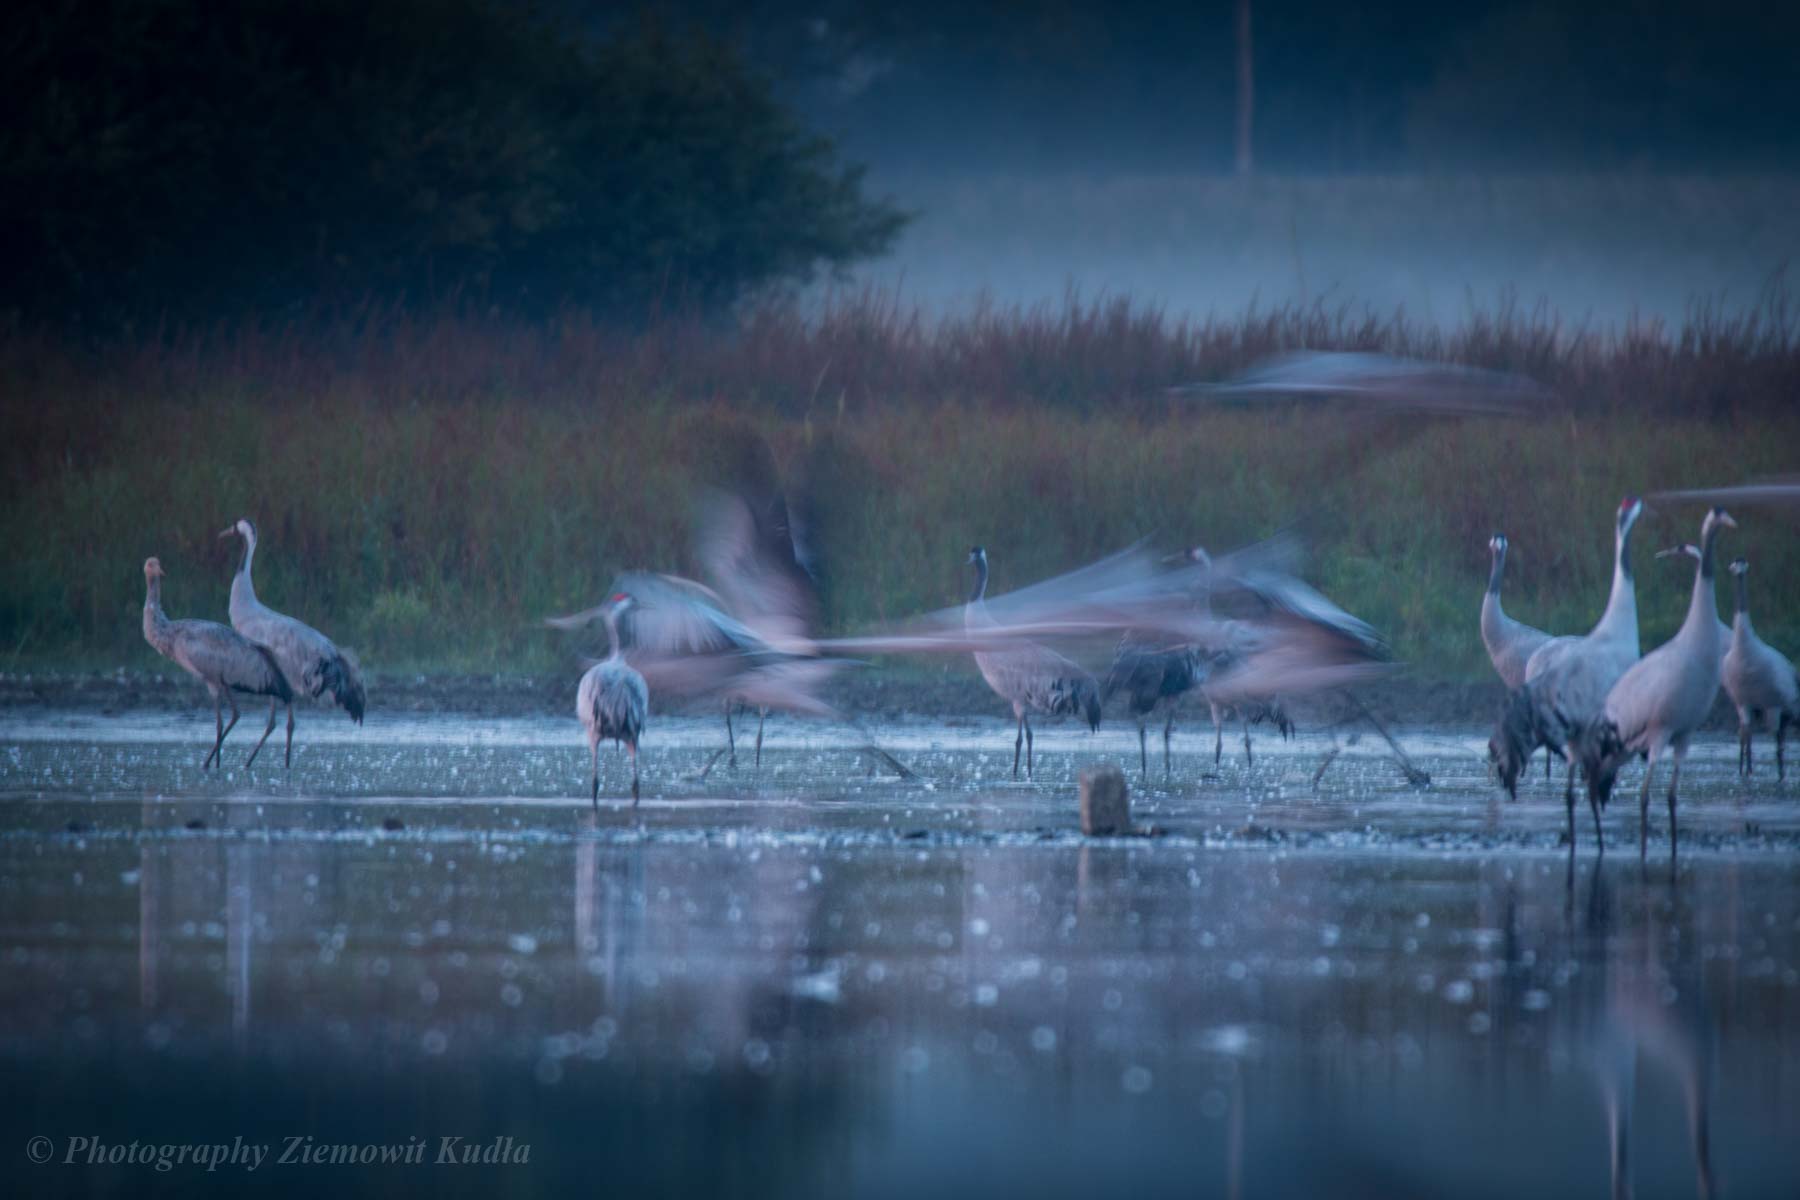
(425, 492)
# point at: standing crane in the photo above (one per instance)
(613, 700)
(1510, 644)
(1152, 672)
(1028, 676)
(222, 659)
(1661, 700)
(1567, 678)
(313, 664)
(1759, 679)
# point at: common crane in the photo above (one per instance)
(222, 659)
(1661, 700)
(313, 663)
(1028, 676)
(1759, 679)
(613, 700)
(1567, 678)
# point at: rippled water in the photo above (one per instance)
(820, 979)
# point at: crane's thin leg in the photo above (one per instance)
(1218, 738)
(1168, 729)
(290, 736)
(1143, 755)
(1780, 740)
(1644, 799)
(1569, 803)
(219, 750)
(1548, 755)
(218, 733)
(730, 738)
(762, 715)
(1599, 838)
(1018, 743)
(594, 751)
(265, 736)
(632, 746)
(1028, 739)
(1748, 735)
(1249, 758)
(1743, 736)
(1680, 749)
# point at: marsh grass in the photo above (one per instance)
(426, 489)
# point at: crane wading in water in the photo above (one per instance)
(1029, 676)
(313, 664)
(613, 700)
(219, 657)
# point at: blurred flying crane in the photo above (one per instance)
(1759, 679)
(690, 642)
(1661, 700)
(1294, 642)
(1030, 677)
(613, 700)
(313, 664)
(222, 659)
(1567, 678)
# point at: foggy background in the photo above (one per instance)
(1608, 159)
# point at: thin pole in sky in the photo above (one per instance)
(1246, 89)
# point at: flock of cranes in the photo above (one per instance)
(745, 640)
(1240, 632)
(1592, 700)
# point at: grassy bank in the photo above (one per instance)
(425, 491)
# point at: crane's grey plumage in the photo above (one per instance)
(313, 664)
(1567, 678)
(1759, 679)
(1663, 698)
(1510, 644)
(613, 700)
(1030, 677)
(219, 657)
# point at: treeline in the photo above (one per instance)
(172, 160)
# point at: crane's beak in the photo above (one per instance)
(225, 533)
(1672, 550)
(1726, 520)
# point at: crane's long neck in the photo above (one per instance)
(156, 622)
(1741, 619)
(1494, 573)
(1620, 620)
(614, 647)
(1703, 607)
(979, 595)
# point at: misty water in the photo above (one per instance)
(818, 977)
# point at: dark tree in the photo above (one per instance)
(170, 157)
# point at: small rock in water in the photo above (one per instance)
(392, 824)
(1105, 801)
(196, 823)
(76, 827)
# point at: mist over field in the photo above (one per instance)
(1594, 249)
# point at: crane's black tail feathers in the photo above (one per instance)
(342, 677)
(1515, 739)
(1076, 696)
(1602, 752)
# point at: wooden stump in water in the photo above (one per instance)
(1105, 802)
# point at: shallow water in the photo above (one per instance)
(818, 978)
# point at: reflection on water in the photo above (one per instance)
(798, 1018)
